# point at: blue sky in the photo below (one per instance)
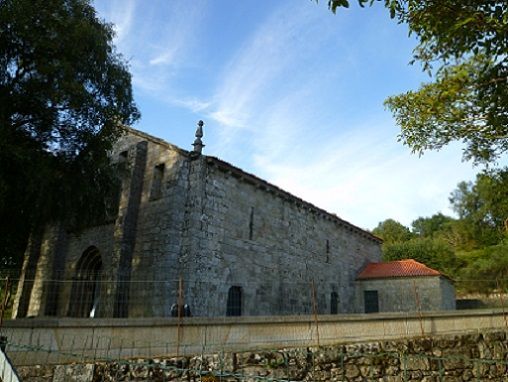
(290, 92)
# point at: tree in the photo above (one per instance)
(483, 206)
(436, 225)
(486, 270)
(392, 231)
(435, 253)
(400, 243)
(64, 92)
(463, 45)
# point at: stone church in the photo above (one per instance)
(195, 231)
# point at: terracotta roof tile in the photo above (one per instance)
(401, 268)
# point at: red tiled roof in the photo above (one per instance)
(401, 268)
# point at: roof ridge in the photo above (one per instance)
(397, 268)
(253, 177)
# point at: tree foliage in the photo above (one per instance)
(483, 206)
(463, 46)
(435, 253)
(64, 91)
(487, 269)
(434, 226)
(425, 244)
(392, 231)
(472, 248)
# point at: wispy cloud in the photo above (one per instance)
(365, 177)
(193, 104)
(295, 103)
(266, 54)
(255, 84)
(270, 118)
(121, 14)
(157, 41)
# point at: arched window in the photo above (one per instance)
(334, 303)
(234, 304)
(85, 291)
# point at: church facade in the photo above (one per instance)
(194, 230)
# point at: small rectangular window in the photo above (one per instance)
(158, 176)
(251, 223)
(334, 303)
(371, 301)
(234, 302)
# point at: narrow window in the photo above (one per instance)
(327, 250)
(234, 303)
(123, 161)
(85, 293)
(158, 175)
(251, 223)
(334, 303)
(371, 301)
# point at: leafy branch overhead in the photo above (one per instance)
(463, 45)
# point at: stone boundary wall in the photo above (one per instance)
(467, 357)
(56, 341)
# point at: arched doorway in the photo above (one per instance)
(85, 291)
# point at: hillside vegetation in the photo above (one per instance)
(472, 248)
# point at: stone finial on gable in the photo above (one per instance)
(198, 143)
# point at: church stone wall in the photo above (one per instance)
(284, 253)
(159, 232)
(201, 223)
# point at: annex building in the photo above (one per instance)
(194, 230)
(404, 286)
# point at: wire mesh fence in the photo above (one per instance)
(172, 298)
(177, 357)
(467, 357)
(93, 295)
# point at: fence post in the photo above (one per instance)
(441, 369)
(501, 298)
(5, 300)
(342, 366)
(180, 314)
(419, 308)
(314, 308)
(404, 366)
